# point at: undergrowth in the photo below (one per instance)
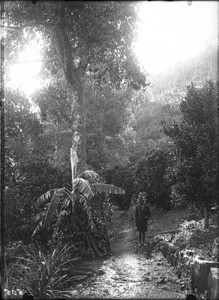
(193, 235)
(30, 270)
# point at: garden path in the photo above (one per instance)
(132, 271)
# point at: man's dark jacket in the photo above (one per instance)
(142, 213)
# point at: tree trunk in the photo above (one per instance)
(206, 217)
(75, 76)
(79, 130)
(82, 130)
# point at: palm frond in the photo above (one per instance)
(106, 188)
(83, 186)
(89, 175)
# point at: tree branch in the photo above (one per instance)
(64, 50)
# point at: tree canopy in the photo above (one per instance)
(83, 38)
(160, 140)
(195, 138)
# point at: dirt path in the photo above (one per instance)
(131, 271)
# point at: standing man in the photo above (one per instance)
(142, 214)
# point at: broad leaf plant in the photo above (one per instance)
(60, 201)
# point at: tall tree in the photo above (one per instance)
(107, 113)
(195, 138)
(106, 138)
(83, 37)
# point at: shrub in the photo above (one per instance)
(151, 177)
(193, 235)
(43, 275)
(195, 139)
(35, 177)
(123, 177)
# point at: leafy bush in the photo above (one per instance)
(68, 216)
(203, 240)
(195, 138)
(193, 235)
(43, 275)
(34, 179)
(9, 285)
(123, 177)
(181, 240)
(178, 198)
(14, 249)
(75, 229)
(151, 177)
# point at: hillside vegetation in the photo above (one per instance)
(157, 140)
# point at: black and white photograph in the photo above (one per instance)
(109, 149)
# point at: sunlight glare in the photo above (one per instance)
(171, 32)
(24, 73)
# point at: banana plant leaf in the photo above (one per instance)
(90, 175)
(45, 198)
(39, 216)
(55, 201)
(106, 188)
(39, 226)
(83, 186)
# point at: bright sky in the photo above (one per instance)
(24, 75)
(169, 32)
(173, 31)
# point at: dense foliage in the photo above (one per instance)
(179, 167)
(149, 175)
(160, 141)
(27, 170)
(124, 177)
(171, 170)
(151, 178)
(86, 39)
(195, 138)
(43, 275)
